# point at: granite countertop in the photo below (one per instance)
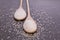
(45, 12)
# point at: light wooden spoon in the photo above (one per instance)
(20, 14)
(30, 25)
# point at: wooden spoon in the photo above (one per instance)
(20, 14)
(30, 25)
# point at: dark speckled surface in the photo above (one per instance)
(45, 12)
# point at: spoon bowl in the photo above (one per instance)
(20, 14)
(30, 25)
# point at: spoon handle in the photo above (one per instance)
(28, 8)
(21, 3)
